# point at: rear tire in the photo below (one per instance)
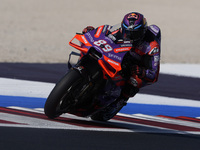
(56, 97)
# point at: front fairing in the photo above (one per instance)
(112, 53)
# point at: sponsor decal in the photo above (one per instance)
(113, 62)
(109, 27)
(133, 16)
(154, 29)
(114, 56)
(98, 33)
(154, 51)
(123, 49)
(126, 45)
(84, 39)
(156, 58)
(104, 29)
(111, 38)
(127, 41)
(89, 36)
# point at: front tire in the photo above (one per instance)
(61, 94)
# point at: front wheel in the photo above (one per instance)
(61, 97)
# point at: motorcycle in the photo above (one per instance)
(95, 82)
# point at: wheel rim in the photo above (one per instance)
(69, 100)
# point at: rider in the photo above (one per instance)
(145, 52)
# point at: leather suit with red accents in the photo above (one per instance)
(146, 54)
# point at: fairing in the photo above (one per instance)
(112, 53)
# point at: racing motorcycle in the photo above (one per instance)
(95, 82)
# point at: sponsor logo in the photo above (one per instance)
(154, 51)
(156, 58)
(154, 29)
(114, 56)
(118, 50)
(90, 37)
(84, 39)
(111, 38)
(133, 16)
(127, 41)
(104, 29)
(98, 33)
(113, 62)
(109, 27)
(126, 45)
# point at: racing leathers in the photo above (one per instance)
(143, 67)
(145, 58)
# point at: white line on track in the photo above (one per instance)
(13, 87)
(187, 70)
(127, 124)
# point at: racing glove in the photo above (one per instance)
(87, 29)
(139, 71)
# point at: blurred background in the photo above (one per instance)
(39, 30)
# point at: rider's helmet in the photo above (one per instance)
(133, 26)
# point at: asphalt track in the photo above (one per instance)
(52, 139)
(41, 138)
(168, 85)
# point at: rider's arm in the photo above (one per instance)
(152, 63)
(153, 58)
(148, 71)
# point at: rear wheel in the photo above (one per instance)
(62, 97)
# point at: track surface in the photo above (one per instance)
(184, 87)
(52, 139)
(42, 138)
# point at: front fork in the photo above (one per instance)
(92, 78)
(104, 90)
